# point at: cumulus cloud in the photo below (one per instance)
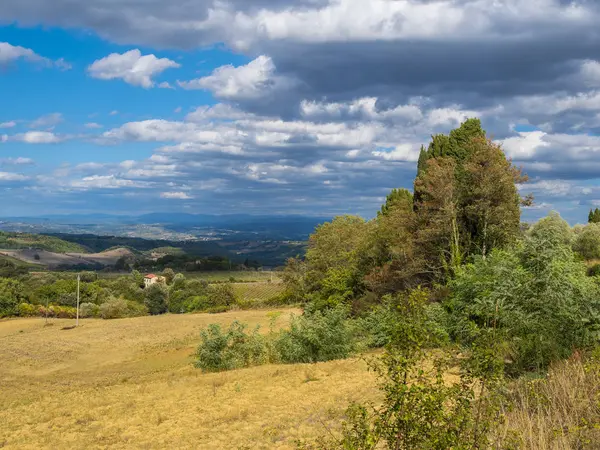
(9, 176)
(132, 67)
(255, 79)
(35, 137)
(10, 53)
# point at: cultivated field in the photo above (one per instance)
(130, 383)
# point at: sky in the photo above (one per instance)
(314, 107)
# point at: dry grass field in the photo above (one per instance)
(130, 383)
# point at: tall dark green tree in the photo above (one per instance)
(594, 216)
(397, 198)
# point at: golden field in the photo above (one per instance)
(130, 383)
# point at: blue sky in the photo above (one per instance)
(287, 106)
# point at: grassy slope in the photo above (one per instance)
(14, 241)
(130, 384)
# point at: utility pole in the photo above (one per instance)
(78, 278)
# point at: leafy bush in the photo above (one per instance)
(233, 349)
(118, 308)
(89, 310)
(12, 293)
(587, 242)
(156, 299)
(420, 408)
(538, 297)
(320, 336)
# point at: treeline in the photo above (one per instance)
(191, 263)
(55, 295)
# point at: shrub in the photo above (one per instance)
(12, 293)
(156, 299)
(89, 310)
(319, 336)
(222, 294)
(28, 310)
(587, 242)
(538, 297)
(120, 308)
(233, 349)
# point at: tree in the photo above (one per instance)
(587, 242)
(438, 233)
(169, 275)
(157, 299)
(391, 259)
(333, 269)
(594, 216)
(12, 293)
(121, 264)
(489, 197)
(401, 198)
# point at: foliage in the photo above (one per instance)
(64, 292)
(397, 198)
(38, 241)
(538, 297)
(156, 299)
(118, 308)
(12, 293)
(594, 216)
(233, 349)
(587, 242)
(420, 408)
(315, 337)
(89, 310)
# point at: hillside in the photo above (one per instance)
(17, 241)
(53, 260)
(130, 383)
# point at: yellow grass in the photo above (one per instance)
(130, 383)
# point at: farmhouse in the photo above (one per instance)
(150, 279)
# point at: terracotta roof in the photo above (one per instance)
(150, 275)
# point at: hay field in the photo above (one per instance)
(130, 383)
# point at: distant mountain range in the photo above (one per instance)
(280, 227)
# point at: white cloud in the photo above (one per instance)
(251, 81)
(105, 182)
(10, 53)
(402, 152)
(36, 137)
(93, 125)
(525, 145)
(9, 176)
(20, 161)
(9, 124)
(176, 195)
(131, 67)
(47, 121)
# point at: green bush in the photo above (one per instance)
(320, 336)
(537, 296)
(12, 293)
(587, 242)
(89, 310)
(233, 349)
(157, 296)
(28, 310)
(120, 308)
